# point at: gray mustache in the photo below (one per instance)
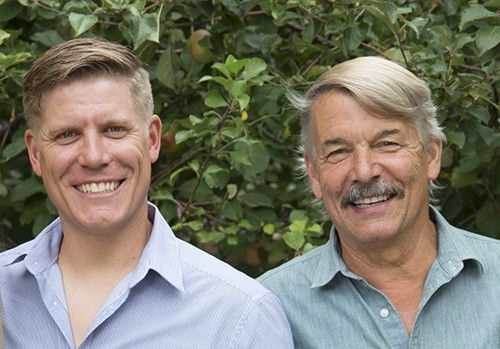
(376, 187)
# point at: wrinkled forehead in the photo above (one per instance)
(339, 113)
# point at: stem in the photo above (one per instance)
(7, 131)
(203, 166)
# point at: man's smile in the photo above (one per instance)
(98, 187)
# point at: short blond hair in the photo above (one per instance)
(85, 58)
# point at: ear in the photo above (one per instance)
(313, 176)
(154, 135)
(434, 159)
(33, 152)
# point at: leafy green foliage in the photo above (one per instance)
(226, 179)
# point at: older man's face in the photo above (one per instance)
(94, 153)
(371, 172)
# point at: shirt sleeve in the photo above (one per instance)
(266, 326)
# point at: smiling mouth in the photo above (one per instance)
(367, 202)
(98, 188)
(363, 195)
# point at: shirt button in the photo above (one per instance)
(384, 312)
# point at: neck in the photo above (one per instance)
(405, 259)
(117, 250)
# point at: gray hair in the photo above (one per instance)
(382, 88)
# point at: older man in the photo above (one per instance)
(394, 273)
(109, 273)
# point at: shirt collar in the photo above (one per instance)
(451, 254)
(330, 262)
(160, 254)
(43, 251)
(453, 250)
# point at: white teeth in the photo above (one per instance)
(95, 188)
(365, 202)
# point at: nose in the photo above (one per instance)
(365, 166)
(93, 152)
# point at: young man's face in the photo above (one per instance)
(354, 148)
(94, 153)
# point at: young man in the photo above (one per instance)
(394, 273)
(109, 273)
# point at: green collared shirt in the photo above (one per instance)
(330, 307)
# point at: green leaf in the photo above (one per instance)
(9, 9)
(221, 68)
(315, 229)
(232, 129)
(250, 157)
(26, 189)
(234, 65)
(480, 112)
(243, 101)
(297, 215)
(184, 135)
(487, 38)
(232, 240)
(166, 68)
(488, 219)
(417, 25)
(161, 195)
(231, 190)
(460, 180)
(298, 226)
(215, 176)
(3, 190)
(253, 67)
(41, 221)
(294, 240)
(474, 13)
(195, 225)
(48, 38)
(461, 40)
(379, 13)
(210, 236)
(232, 210)
(269, 229)
(81, 23)
(13, 149)
(446, 157)
(455, 137)
(144, 28)
(255, 199)
(3, 35)
(213, 99)
(237, 88)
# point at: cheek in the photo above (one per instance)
(331, 185)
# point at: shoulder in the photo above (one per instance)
(14, 254)
(485, 248)
(299, 270)
(200, 267)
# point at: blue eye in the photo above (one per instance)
(115, 129)
(66, 134)
(388, 145)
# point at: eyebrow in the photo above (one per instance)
(381, 134)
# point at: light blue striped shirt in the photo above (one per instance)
(177, 297)
(328, 306)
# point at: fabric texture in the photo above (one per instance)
(330, 307)
(177, 297)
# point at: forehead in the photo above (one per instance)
(97, 97)
(339, 114)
